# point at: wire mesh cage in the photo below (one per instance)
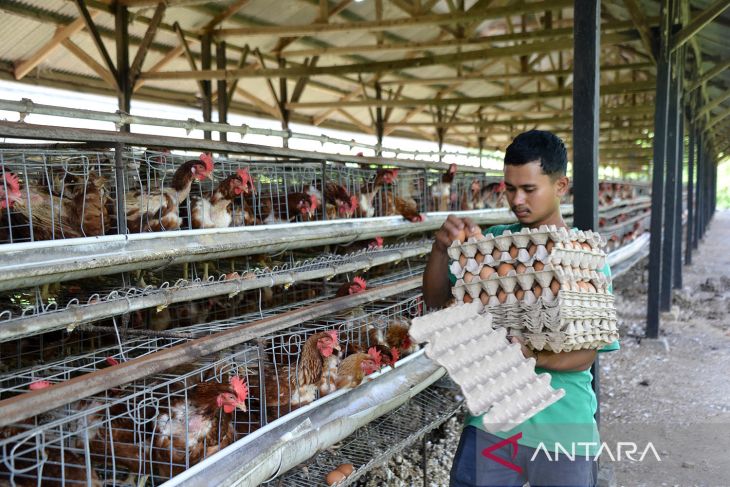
(150, 429)
(56, 195)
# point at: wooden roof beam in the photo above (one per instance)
(62, 33)
(375, 26)
(384, 66)
(712, 105)
(90, 62)
(709, 74)
(698, 23)
(91, 27)
(617, 88)
(642, 25)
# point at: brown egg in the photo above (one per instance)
(586, 246)
(555, 287)
(591, 288)
(504, 269)
(532, 249)
(334, 477)
(467, 299)
(519, 294)
(582, 286)
(537, 290)
(468, 277)
(549, 246)
(513, 251)
(484, 298)
(538, 266)
(462, 260)
(479, 257)
(520, 268)
(501, 296)
(577, 245)
(496, 253)
(486, 272)
(346, 469)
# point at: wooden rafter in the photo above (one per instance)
(302, 82)
(224, 15)
(389, 24)
(26, 66)
(90, 62)
(143, 48)
(698, 22)
(330, 12)
(94, 32)
(642, 25)
(713, 104)
(385, 66)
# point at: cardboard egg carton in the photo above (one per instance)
(544, 285)
(494, 376)
(547, 244)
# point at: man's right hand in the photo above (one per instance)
(452, 229)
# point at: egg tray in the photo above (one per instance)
(551, 245)
(495, 378)
(568, 278)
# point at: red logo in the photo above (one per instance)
(487, 452)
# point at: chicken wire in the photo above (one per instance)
(65, 194)
(117, 437)
(373, 444)
(282, 350)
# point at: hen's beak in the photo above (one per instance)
(241, 406)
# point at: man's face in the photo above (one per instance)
(533, 196)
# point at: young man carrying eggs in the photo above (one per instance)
(535, 167)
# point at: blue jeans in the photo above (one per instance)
(471, 468)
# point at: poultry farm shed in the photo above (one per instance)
(170, 350)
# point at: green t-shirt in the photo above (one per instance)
(568, 422)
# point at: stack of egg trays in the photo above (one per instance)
(495, 377)
(577, 319)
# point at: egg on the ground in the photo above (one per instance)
(334, 477)
(346, 469)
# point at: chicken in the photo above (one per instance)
(35, 213)
(91, 206)
(215, 210)
(397, 337)
(337, 196)
(298, 204)
(356, 367)
(441, 191)
(196, 424)
(472, 200)
(405, 207)
(365, 201)
(494, 195)
(291, 386)
(376, 243)
(158, 209)
(357, 285)
(329, 374)
(368, 336)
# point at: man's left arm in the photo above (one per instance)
(574, 361)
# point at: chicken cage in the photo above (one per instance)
(148, 430)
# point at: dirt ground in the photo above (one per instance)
(673, 392)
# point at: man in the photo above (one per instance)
(535, 179)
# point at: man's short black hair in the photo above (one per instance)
(539, 145)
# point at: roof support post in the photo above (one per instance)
(124, 86)
(670, 186)
(205, 64)
(679, 200)
(657, 192)
(283, 99)
(379, 120)
(220, 60)
(689, 245)
(586, 121)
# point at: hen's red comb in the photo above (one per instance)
(12, 181)
(376, 355)
(240, 388)
(112, 361)
(208, 161)
(245, 175)
(353, 203)
(394, 354)
(333, 335)
(360, 282)
(314, 201)
(39, 384)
